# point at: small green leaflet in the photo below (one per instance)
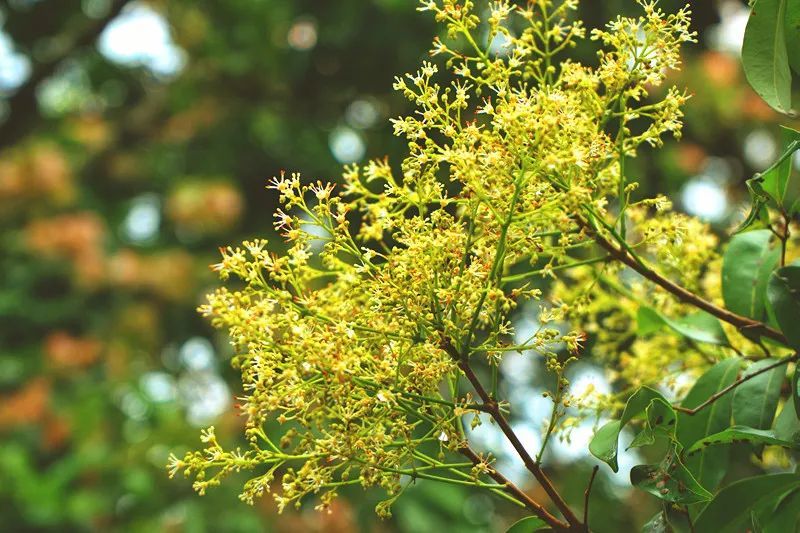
(529, 524)
(758, 217)
(764, 54)
(780, 181)
(708, 467)
(660, 421)
(605, 443)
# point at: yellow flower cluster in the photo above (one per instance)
(353, 345)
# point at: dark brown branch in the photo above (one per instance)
(623, 256)
(586, 495)
(733, 385)
(515, 491)
(22, 105)
(492, 407)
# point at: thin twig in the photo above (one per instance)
(492, 407)
(515, 491)
(733, 385)
(741, 323)
(586, 495)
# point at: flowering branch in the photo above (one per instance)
(624, 256)
(492, 407)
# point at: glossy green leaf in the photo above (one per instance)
(764, 54)
(781, 182)
(783, 301)
(670, 481)
(529, 524)
(604, 445)
(708, 467)
(700, 326)
(755, 400)
(730, 510)
(740, 434)
(746, 266)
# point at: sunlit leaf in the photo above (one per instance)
(764, 54)
(605, 443)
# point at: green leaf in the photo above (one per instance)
(529, 524)
(660, 421)
(787, 425)
(785, 517)
(780, 182)
(670, 481)
(746, 266)
(740, 434)
(709, 467)
(783, 301)
(716, 416)
(700, 326)
(793, 33)
(730, 509)
(764, 55)
(605, 443)
(755, 400)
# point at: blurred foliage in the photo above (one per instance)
(118, 182)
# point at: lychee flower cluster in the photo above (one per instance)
(356, 345)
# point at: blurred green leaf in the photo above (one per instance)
(700, 326)
(529, 524)
(731, 507)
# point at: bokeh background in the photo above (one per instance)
(136, 138)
